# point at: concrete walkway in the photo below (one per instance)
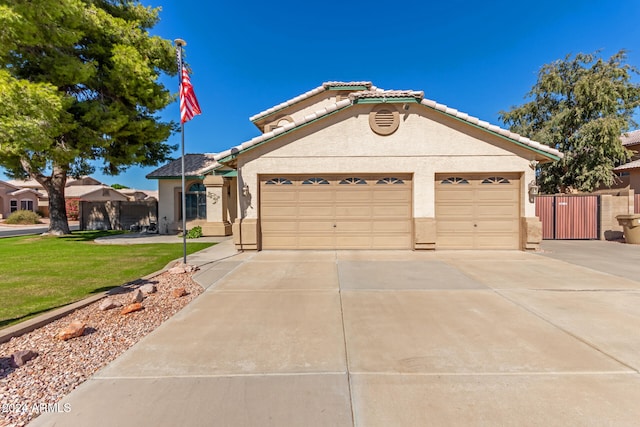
(393, 338)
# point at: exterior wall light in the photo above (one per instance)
(533, 191)
(245, 190)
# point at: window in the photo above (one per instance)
(353, 180)
(315, 181)
(390, 180)
(196, 202)
(278, 181)
(454, 180)
(495, 180)
(14, 205)
(26, 205)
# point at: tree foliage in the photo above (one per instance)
(580, 106)
(79, 83)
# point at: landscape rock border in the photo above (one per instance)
(44, 319)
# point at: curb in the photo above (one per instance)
(29, 325)
(48, 317)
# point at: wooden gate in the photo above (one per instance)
(569, 217)
(636, 203)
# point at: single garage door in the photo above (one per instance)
(476, 211)
(357, 211)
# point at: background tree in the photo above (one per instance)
(580, 106)
(79, 83)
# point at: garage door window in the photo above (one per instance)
(278, 181)
(454, 180)
(315, 181)
(495, 180)
(390, 180)
(353, 181)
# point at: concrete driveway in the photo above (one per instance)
(391, 338)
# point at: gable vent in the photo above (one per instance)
(384, 120)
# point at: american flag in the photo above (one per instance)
(189, 107)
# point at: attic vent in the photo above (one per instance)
(384, 119)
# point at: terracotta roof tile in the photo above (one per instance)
(309, 94)
(377, 93)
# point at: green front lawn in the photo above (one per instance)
(40, 273)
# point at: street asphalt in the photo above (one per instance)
(386, 338)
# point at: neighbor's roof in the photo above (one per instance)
(631, 138)
(391, 95)
(325, 86)
(194, 165)
(83, 190)
(631, 165)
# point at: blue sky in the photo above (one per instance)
(477, 57)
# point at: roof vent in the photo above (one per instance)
(384, 119)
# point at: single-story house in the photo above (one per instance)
(350, 166)
(13, 198)
(85, 188)
(211, 195)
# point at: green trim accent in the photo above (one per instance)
(360, 87)
(235, 155)
(227, 174)
(382, 100)
(528, 147)
(177, 177)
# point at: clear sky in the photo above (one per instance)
(480, 57)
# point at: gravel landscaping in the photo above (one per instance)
(60, 366)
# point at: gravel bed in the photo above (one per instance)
(63, 365)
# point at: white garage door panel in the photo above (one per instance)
(477, 211)
(360, 211)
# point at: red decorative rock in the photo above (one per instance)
(136, 306)
(74, 330)
(179, 292)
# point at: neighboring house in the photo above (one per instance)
(13, 198)
(94, 193)
(350, 166)
(629, 173)
(85, 188)
(211, 195)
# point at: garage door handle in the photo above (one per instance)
(475, 225)
(334, 226)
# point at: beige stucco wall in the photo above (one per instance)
(426, 143)
(5, 201)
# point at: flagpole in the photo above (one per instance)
(180, 43)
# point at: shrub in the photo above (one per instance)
(73, 209)
(195, 232)
(23, 217)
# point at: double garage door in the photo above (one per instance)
(358, 211)
(473, 211)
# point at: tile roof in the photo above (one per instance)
(325, 86)
(194, 165)
(418, 95)
(631, 138)
(631, 165)
(377, 93)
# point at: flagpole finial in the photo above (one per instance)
(180, 42)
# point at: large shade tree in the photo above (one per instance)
(580, 105)
(79, 85)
